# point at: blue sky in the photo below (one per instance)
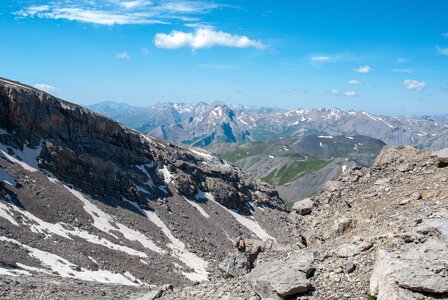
(386, 57)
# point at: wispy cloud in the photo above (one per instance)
(144, 51)
(331, 58)
(93, 16)
(354, 82)
(320, 58)
(291, 63)
(45, 87)
(204, 37)
(403, 70)
(134, 4)
(337, 92)
(187, 6)
(442, 51)
(122, 55)
(414, 85)
(363, 69)
(116, 12)
(401, 60)
(445, 35)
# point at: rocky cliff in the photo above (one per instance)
(86, 199)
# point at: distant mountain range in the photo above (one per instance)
(203, 124)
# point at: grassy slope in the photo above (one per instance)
(291, 172)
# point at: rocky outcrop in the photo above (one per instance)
(88, 199)
(375, 233)
(416, 267)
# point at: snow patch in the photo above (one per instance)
(178, 248)
(242, 121)
(65, 268)
(103, 221)
(6, 213)
(204, 155)
(166, 174)
(198, 207)
(344, 167)
(38, 225)
(149, 182)
(325, 136)
(14, 272)
(28, 157)
(252, 225)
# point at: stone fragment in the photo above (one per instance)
(341, 225)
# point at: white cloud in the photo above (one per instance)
(336, 92)
(203, 37)
(354, 82)
(414, 85)
(180, 6)
(134, 4)
(122, 55)
(45, 87)
(117, 12)
(363, 69)
(90, 16)
(442, 51)
(321, 58)
(445, 35)
(403, 70)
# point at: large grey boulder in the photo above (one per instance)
(303, 207)
(279, 279)
(235, 266)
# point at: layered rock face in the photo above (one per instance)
(89, 200)
(103, 157)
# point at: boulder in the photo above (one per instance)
(413, 267)
(402, 156)
(235, 266)
(279, 279)
(303, 207)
